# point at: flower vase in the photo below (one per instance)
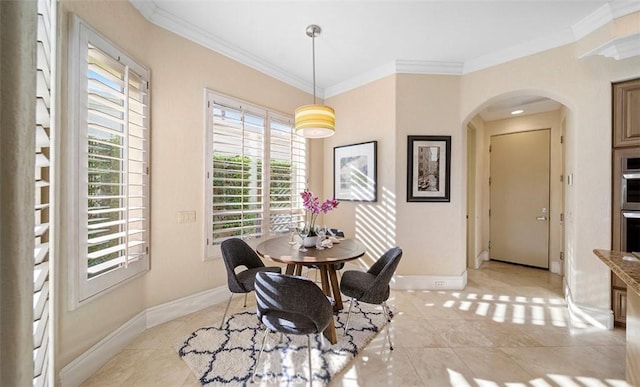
(310, 241)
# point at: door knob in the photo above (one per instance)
(541, 218)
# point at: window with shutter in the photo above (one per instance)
(43, 192)
(287, 173)
(112, 140)
(245, 198)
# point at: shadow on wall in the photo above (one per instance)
(376, 226)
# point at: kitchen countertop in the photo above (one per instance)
(627, 270)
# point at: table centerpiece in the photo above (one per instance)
(313, 208)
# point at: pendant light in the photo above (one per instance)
(315, 121)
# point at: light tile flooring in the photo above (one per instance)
(508, 327)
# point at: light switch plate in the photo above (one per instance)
(186, 216)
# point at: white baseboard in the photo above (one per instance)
(598, 317)
(429, 282)
(556, 268)
(416, 282)
(181, 307)
(87, 364)
(483, 256)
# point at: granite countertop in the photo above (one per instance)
(628, 269)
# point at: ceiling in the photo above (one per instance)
(362, 41)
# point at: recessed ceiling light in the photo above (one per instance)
(517, 112)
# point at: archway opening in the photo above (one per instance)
(510, 113)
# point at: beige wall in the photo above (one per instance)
(432, 235)
(180, 70)
(481, 242)
(362, 115)
(389, 110)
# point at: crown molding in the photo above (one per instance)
(395, 67)
(519, 51)
(161, 18)
(360, 80)
(619, 49)
(602, 16)
(623, 8)
(429, 67)
(146, 8)
(592, 22)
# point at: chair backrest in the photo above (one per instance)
(236, 252)
(336, 232)
(383, 269)
(292, 299)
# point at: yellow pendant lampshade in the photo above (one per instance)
(315, 121)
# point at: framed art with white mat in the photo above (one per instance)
(355, 172)
(428, 168)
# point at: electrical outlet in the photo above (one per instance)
(186, 216)
(439, 284)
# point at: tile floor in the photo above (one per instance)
(509, 327)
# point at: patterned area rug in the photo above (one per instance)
(227, 356)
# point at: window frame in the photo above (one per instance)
(212, 251)
(45, 184)
(84, 289)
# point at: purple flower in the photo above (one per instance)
(313, 207)
(312, 203)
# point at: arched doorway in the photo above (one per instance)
(495, 117)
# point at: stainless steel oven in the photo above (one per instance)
(631, 183)
(626, 200)
(630, 231)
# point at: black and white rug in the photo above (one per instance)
(227, 356)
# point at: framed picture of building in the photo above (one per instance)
(354, 172)
(428, 167)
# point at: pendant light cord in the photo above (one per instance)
(313, 56)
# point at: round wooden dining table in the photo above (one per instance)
(279, 250)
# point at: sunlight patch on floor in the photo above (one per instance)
(457, 379)
(483, 309)
(500, 314)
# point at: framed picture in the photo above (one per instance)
(428, 166)
(354, 172)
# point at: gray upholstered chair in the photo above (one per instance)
(237, 253)
(372, 287)
(291, 305)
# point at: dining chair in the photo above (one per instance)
(372, 286)
(335, 232)
(291, 305)
(237, 253)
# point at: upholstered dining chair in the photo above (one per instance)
(291, 305)
(237, 253)
(372, 286)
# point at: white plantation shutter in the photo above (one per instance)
(43, 192)
(113, 142)
(256, 168)
(287, 158)
(238, 154)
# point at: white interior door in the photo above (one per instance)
(519, 217)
